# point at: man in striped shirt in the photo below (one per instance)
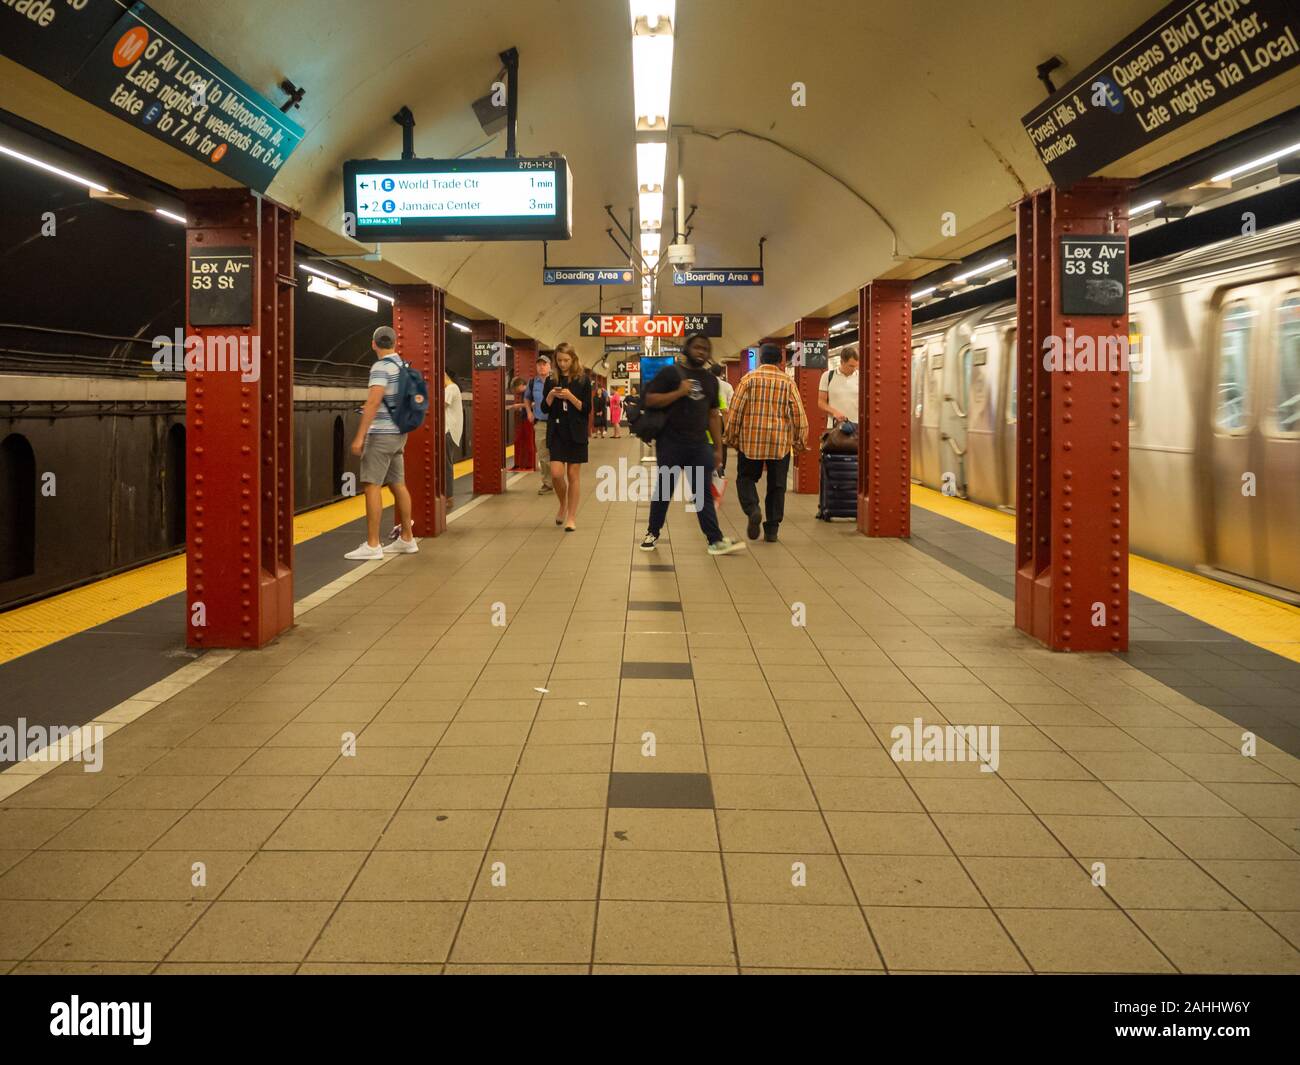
(766, 423)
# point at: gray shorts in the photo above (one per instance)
(381, 459)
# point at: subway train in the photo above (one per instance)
(1214, 409)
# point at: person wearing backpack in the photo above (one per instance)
(684, 403)
(393, 408)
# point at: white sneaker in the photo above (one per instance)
(401, 547)
(365, 553)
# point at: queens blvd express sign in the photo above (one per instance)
(593, 324)
(1191, 57)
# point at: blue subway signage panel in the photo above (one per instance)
(53, 37)
(150, 75)
(588, 275)
(723, 276)
(458, 199)
(1188, 59)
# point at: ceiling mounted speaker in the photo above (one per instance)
(491, 117)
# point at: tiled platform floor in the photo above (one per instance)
(471, 830)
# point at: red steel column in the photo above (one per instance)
(737, 368)
(523, 364)
(884, 436)
(1072, 434)
(239, 466)
(419, 323)
(807, 467)
(489, 407)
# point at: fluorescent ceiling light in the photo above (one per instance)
(321, 287)
(76, 179)
(172, 215)
(1141, 207)
(328, 277)
(920, 295)
(462, 328)
(380, 296)
(840, 326)
(645, 306)
(985, 269)
(1255, 164)
(651, 208)
(651, 159)
(652, 78)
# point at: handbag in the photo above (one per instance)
(837, 441)
(648, 423)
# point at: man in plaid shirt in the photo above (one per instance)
(766, 423)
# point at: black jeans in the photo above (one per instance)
(748, 471)
(695, 461)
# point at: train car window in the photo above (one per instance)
(963, 380)
(17, 508)
(1285, 415)
(1013, 360)
(1232, 390)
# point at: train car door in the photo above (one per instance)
(1007, 419)
(931, 404)
(1280, 441)
(983, 473)
(1234, 470)
(918, 393)
(956, 405)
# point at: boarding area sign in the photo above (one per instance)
(1190, 58)
(594, 324)
(588, 275)
(719, 276)
(458, 199)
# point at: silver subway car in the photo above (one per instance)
(1214, 431)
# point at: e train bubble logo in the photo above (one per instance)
(1105, 93)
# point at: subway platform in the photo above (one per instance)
(528, 751)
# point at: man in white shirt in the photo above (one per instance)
(837, 393)
(454, 421)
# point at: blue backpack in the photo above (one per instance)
(412, 399)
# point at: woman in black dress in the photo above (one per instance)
(600, 405)
(567, 397)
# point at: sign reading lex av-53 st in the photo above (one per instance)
(458, 199)
(1191, 57)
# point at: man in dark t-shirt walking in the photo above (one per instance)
(690, 445)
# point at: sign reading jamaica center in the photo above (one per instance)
(1194, 56)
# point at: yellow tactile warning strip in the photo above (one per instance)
(29, 628)
(1265, 622)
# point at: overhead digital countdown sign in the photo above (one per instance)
(458, 199)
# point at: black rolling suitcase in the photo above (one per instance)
(838, 497)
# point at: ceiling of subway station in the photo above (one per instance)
(912, 110)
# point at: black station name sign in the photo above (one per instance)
(1094, 275)
(1190, 58)
(221, 286)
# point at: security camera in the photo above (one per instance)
(680, 254)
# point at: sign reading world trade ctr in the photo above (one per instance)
(726, 277)
(588, 275)
(1190, 58)
(458, 199)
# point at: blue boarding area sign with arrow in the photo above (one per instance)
(588, 275)
(720, 276)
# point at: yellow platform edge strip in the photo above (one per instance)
(1255, 618)
(29, 628)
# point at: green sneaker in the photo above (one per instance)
(725, 546)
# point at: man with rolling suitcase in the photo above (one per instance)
(766, 424)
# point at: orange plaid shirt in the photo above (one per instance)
(765, 418)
